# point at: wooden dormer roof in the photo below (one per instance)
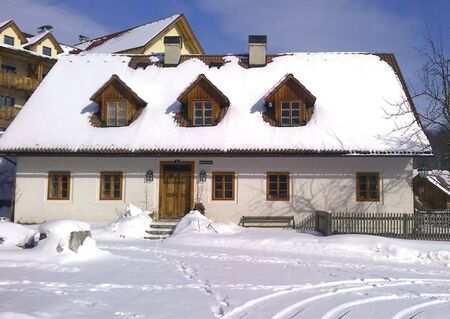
(202, 79)
(115, 80)
(310, 98)
(13, 25)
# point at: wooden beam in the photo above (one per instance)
(40, 71)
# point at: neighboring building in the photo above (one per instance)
(432, 192)
(24, 61)
(146, 38)
(252, 134)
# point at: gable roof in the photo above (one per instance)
(131, 38)
(96, 97)
(349, 117)
(287, 78)
(12, 24)
(38, 38)
(203, 78)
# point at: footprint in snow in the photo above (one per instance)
(217, 311)
(222, 299)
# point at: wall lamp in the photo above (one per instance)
(202, 176)
(149, 176)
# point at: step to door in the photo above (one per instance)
(161, 229)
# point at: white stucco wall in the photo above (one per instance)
(325, 183)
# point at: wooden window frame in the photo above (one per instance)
(367, 190)
(116, 118)
(300, 112)
(233, 184)
(44, 48)
(278, 198)
(203, 112)
(8, 37)
(49, 185)
(111, 187)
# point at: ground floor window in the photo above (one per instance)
(111, 185)
(58, 185)
(223, 186)
(7, 101)
(367, 187)
(277, 186)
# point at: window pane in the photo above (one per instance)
(46, 51)
(295, 105)
(362, 195)
(218, 194)
(282, 178)
(228, 178)
(285, 121)
(285, 105)
(228, 194)
(198, 121)
(8, 40)
(283, 186)
(208, 121)
(198, 113)
(197, 106)
(362, 178)
(208, 106)
(218, 178)
(208, 113)
(283, 194)
(295, 121)
(373, 195)
(372, 178)
(285, 113)
(295, 113)
(273, 178)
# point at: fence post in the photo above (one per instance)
(405, 225)
(323, 222)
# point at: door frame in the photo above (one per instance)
(161, 178)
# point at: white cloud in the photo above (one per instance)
(67, 23)
(321, 25)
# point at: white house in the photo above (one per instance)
(252, 134)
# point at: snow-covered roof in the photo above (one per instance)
(3, 23)
(440, 179)
(35, 39)
(355, 94)
(128, 39)
(26, 51)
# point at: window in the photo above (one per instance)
(58, 185)
(223, 186)
(290, 113)
(202, 113)
(116, 113)
(7, 101)
(8, 40)
(111, 185)
(8, 68)
(277, 186)
(367, 187)
(46, 51)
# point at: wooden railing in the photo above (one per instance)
(18, 82)
(419, 225)
(8, 113)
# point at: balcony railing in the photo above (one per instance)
(7, 114)
(18, 82)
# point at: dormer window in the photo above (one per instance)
(203, 113)
(202, 104)
(116, 113)
(8, 40)
(118, 104)
(289, 103)
(46, 51)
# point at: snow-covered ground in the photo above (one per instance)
(217, 270)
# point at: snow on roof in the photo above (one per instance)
(25, 51)
(3, 23)
(67, 48)
(354, 93)
(128, 39)
(35, 39)
(441, 179)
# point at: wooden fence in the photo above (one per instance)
(420, 225)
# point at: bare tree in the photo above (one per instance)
(435, 85)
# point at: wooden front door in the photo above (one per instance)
(176, 190)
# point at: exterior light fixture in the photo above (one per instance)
(423, 172)
(149, 176)
(202, 176)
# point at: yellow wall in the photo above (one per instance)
(10, 32)
(39, 47)
(158, 46)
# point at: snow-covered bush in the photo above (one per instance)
(196, 222)
(12, 234)
(132, 224)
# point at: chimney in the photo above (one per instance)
(44, 28)
(83, 38)
(172, 51)
(257, 46)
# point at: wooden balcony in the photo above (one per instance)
(7, 114)
(18, 82)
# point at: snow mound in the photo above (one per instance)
(196, 222)
(63, 227)
(132, 224)
(12, 234)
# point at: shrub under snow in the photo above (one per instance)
(196, 222)
(132, 224)
(13, 234)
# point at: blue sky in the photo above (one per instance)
(396, 26)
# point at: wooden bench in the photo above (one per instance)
(268, 221)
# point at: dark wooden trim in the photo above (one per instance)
(58, 173)
(161, 176)
(290, 77)
(278, 199)
(101, 197)
(233, 185)
(367, 174)
(183, 96)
